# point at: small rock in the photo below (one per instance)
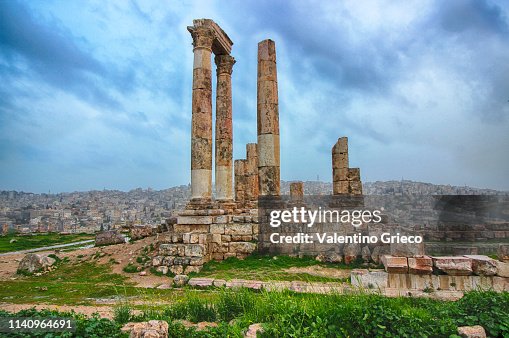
(164, 287)
(180, 280)
(150, 329)
(13, 241)
(143, 273)
(329, 258)
(253, 330)
(476, 331)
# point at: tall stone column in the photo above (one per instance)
(201, 131)
(224, 130)
(268, 121)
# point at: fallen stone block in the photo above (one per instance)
(394, 264)
(454, 265)
(483, 265)
(201, 282)
(109, 238)
(421, 265)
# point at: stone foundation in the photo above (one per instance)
(203, 235)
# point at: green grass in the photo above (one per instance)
(288, 314)
(79, 284)
(26, 242)
(266, 268)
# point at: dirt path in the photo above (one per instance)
(320, 271)
(103, 311)
(46, 248)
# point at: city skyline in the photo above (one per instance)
(98, 95)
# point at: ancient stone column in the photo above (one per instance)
(251, 172)
(340, 167)
(201, 131)
(268, 121)
(224, 130)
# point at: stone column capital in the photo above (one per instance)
(224, 64)
(203, 36)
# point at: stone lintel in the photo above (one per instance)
(222, 43)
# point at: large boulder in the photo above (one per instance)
(108, 238)
(34, 263)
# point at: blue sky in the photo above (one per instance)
(97, 94)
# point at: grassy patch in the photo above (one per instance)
(26, 242)
(288, 314)
(267, 268)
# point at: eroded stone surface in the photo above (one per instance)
(268, 120)
(394, 264)
(454, 265)
(483, 265)
(420, 265)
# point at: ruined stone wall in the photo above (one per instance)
(345, 180)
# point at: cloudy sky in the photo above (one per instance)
(97, 94)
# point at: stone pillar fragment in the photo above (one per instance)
(240, 181)
(268, 120)
(296, 191)
(251, 172)
(224, 130)
(340, 183)
(345, 180)
(201, 131)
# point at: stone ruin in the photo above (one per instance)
(226, 225)
(345, 180)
